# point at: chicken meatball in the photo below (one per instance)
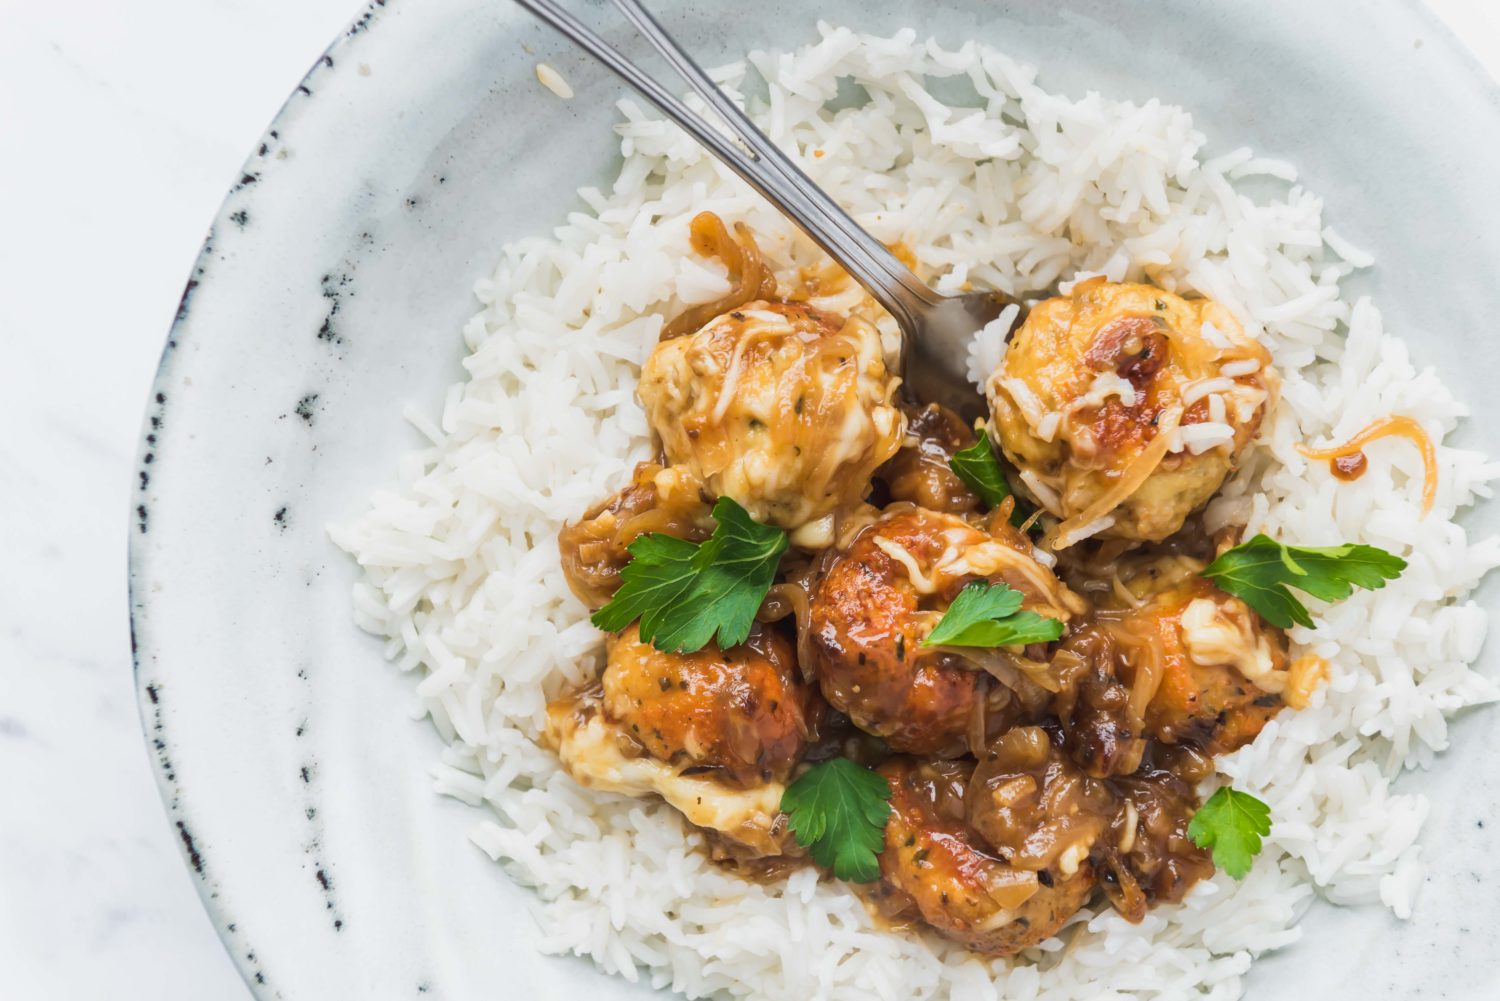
(934, 868)
(782, 407)
(1199, 668)
(742, 713)
(1124, 407)
(600, 755)
(874, 605)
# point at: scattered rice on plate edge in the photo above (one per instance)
(462, 572)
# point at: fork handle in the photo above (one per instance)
(757, 160)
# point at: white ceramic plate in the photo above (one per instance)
(332, 291)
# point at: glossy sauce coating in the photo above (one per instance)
(742, 712)
(595, 548)
(934, 866)
(1150, 858)
(1098, 395)
(920, 472)
(1183, 657)
(1349, 467)
(1033, 806)
(876, 603)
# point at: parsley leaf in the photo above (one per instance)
(981, 471)
(838, 811)
(989, 615)
(659, 571)
(1260, 572)
(1232, 824)
(684, 593)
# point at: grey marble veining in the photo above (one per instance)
(121, 126)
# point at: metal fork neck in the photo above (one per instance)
(759, 162)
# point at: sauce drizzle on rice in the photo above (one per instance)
(1348, 460)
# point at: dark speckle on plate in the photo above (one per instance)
(307, 408)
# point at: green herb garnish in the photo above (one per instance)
(1232, 824)
(685, 593)
(838, 811)
(981, 471)
(1260, 571)
(990, 615)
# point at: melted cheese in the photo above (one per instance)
(786, 410)
(589, 747)
(1086, 433)
(1213, 633)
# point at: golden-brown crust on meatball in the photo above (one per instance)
(1115, 404)
(870, 614)
(743, 712)
(1197, 667)
(933, 866)
(782, 407)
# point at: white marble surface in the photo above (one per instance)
(121, 125)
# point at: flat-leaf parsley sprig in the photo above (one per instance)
(838, 811)
(1232, 824)
(982, 473)
(687, 593)
(1261, 571)
(989, 615)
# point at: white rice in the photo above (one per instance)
(462, 564)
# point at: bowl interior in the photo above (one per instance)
(332, 291)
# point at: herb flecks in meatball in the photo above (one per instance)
(1125, 407)
(784, 408)
(743, 713)
(934, 865)
(876, 603)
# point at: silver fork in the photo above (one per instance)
(936, 328)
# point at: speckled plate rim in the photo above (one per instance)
(179, 813)
(178, 804)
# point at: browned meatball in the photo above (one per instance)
(1206, 647)
(742, 824)
(920, 472)
(875, 604)
(743, 712)
(933, 868)
(594, 548)
(1125, 407)
(1170, 657)
(782, 407)
(1033, 806)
